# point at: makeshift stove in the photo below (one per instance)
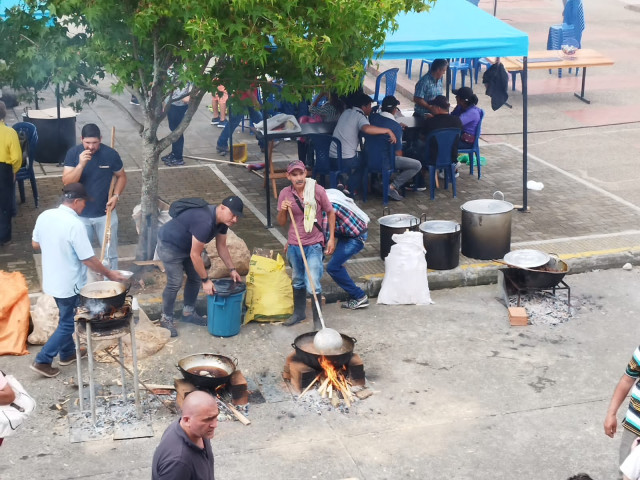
(333, 375)
(216, 375)
(115, 323)
(548, 278)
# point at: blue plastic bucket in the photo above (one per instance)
(224, 309)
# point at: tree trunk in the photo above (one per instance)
(149, 203)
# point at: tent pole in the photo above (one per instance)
(495, 7)
(524, 134)
(267, 159)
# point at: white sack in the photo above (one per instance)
(405, 277)
(280, 123)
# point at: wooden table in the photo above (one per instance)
(545, 59)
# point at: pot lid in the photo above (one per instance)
(226, 286)
(526, 258)
(439, 226)
(399, 220)
(487, 206)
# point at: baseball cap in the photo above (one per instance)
(465, 93)
(234, 204)
(75, 190)
(389, 102)
(295, 165)
(440, 101)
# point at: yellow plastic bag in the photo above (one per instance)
(269, 295)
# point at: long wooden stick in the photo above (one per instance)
(106, 239)
(306, 265)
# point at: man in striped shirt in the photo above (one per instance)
(631, 422)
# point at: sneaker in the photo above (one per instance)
(395, 195)
(68, 361)
(215, 120)
(175, 162)
(223, 123)
(168, 158)
(134, 100)
(355, 304)
(412, 188)
(193, 317)
(167, 322)
(45, 369)
(222, 150)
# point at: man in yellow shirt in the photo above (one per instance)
(10, 163)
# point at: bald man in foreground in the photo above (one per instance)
(184, 453)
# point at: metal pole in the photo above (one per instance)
(122, 377)
(495, 7)
(230, 134)
(92, 392)
(134, 361)
(267, 166)
(524, 134)
(79, 368)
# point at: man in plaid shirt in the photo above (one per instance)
(350, 235)
(429, 87)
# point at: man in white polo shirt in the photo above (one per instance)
(61, 236)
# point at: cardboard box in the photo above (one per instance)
(518, 317)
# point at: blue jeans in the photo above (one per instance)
(174, 117)
(299, 278)
(61, 342)
(234, 121)
(346, 248)
(176, 264)
(96, 225)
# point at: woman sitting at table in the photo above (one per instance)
(469, 115)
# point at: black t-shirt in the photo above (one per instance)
(196, 222)
(178, 458)
(436, 122)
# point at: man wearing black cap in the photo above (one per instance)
(61, 236)
(408, 167)
(180, 245)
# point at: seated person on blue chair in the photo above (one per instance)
(429, 87)
(469, 114)
(351, 123)
(408, 167)
(441, 119)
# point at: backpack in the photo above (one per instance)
(179, 206)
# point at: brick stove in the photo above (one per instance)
(301, 375)
(236, 387)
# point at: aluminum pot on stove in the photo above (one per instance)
(207, 370)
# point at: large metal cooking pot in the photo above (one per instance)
(547, 276)
(101, 297)
(218, 369)
(441, 240)
(486, 228)
(396, 223)
(307, 353)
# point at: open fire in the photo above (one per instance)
(339, 384)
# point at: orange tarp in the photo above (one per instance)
(14, 313)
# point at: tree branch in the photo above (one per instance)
(113, 99)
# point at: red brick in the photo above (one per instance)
(238, 384)
(301, 375)
(241, 400)
(182, 389)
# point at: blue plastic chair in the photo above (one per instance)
(423, 63)
(475, 150)
(462, 65)
(408, 65)
(478, 63)
(27, 172)
(380, 157)
(319, 145)
(447, 142)
(390, 78)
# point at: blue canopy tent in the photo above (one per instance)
(459, 29)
